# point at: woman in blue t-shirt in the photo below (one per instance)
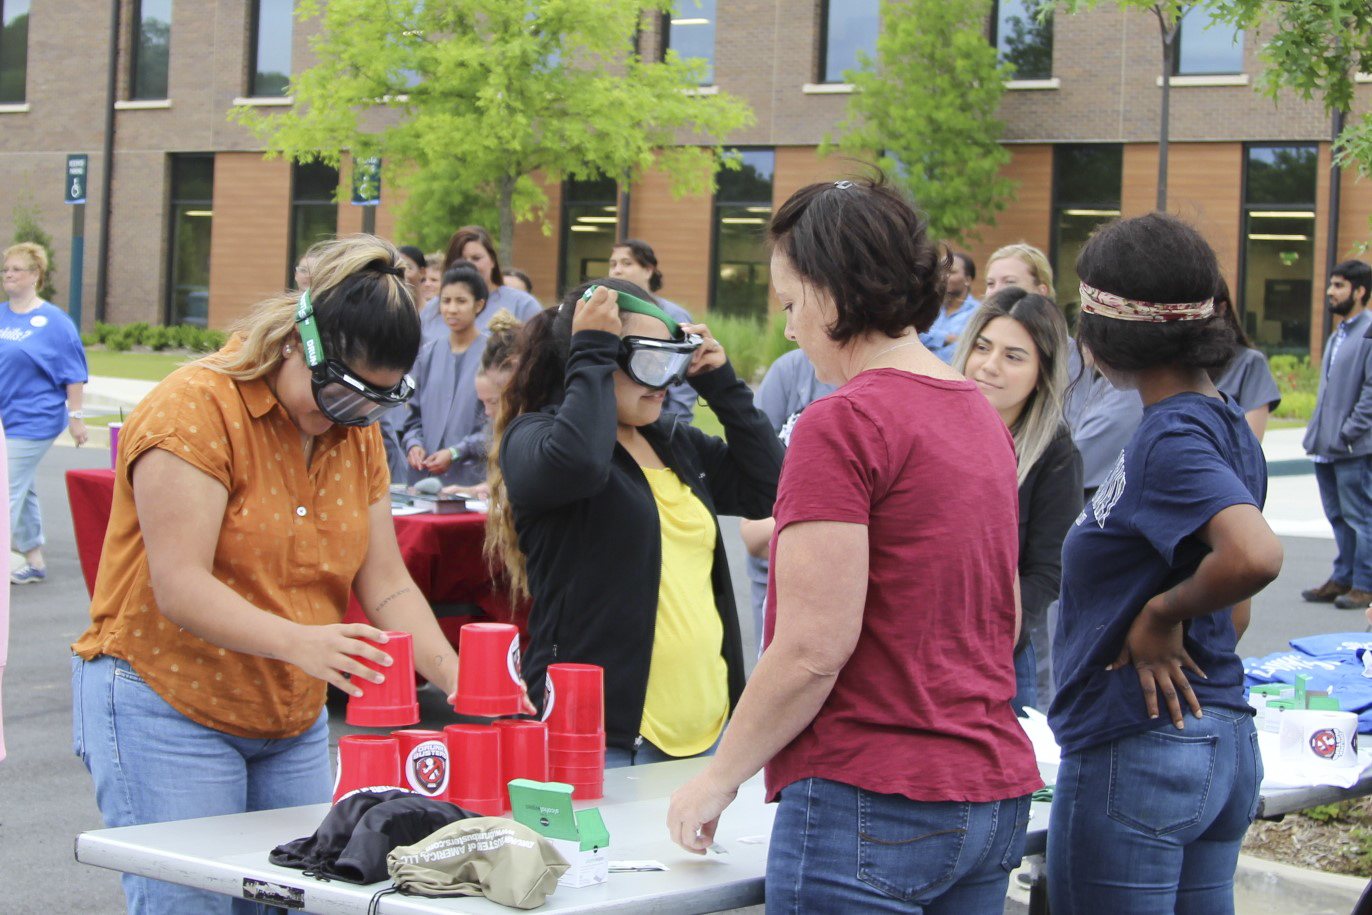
(42, 380)
(1160, 765)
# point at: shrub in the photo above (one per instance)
(1299, 381)
(26, 228)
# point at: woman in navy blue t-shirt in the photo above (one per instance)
(1160, 765)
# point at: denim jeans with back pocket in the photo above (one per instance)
(837, 848)
(1152, 822)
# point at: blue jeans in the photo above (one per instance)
(26, 521)
(836, 848)
(1026, 679)
(645, 753)
(1346, 491)
(1153, 822)
(152, 764)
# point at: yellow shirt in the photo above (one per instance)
(688, 689)
(291, 540)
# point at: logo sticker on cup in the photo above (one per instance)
(512, 658)
(1327, 743)
(426, 768)
(549, 696)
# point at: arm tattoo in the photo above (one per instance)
(378, 607)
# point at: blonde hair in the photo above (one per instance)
(1041, 418)
(34, 254)
(261, 334)
(1029, 256)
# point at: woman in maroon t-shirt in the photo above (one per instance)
(881, 705)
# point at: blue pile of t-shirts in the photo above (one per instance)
(1330, 661)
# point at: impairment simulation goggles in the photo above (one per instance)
(340, 395)
(649, 361)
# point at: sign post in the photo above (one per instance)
(367, 190)
(74, 193)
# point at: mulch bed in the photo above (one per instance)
(1336, 840)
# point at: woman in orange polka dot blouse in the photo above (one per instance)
(252, 493)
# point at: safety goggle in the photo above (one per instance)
(340, 395)
(657, 363)
(649, 361)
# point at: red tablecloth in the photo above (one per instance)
(442, 552)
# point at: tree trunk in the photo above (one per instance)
(507, 220)
(1169, 49)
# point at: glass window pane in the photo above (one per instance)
(1205, 46)
(742, 264)
(14, 50)
(1087, 183)
(1281, 175)
(152, 49)
(192, 213)
(1022, 40)
(313, 182)
(590, 224)
(850, 26)
(314, 211)
(751, 183)
(272, 54)
(691, 33)
(1278, 281)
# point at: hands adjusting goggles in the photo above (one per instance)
(651, 362)
(340, 395)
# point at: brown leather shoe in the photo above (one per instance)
(1326, 593)
(1354, 600)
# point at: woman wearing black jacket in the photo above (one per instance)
(606, 513)
(1015, 349)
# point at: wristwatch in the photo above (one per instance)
(454, 454)
(76, 414)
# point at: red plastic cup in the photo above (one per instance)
(574, 701)
(586, 791)
(575, 774)
(475, 753)
(576, 759)
(523, 750)
(575, 743)
(488, 681)
(366, 761)
(393, 703)
(424, 761)
(486, 806)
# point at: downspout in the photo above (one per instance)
(107, 166)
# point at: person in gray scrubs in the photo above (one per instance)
(1247, 379)
(474, 245)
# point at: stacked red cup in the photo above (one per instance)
(391, 703)
(475, 781)
(574, 710)
(488, 679)
(366, 761)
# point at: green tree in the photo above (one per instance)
(1169, 14)
(465, 100)
(27, 228)
(1314, 48)
(926, 107)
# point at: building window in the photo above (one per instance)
(1279, 246)
(690, 31)
(152, 21)
(271, 43)
(590, 221)
(314, 209)
(1022, 40)
(849, 26)
(743, 206)
(14, 51)
(192, 213)
(1087, 181)
(1206, 46)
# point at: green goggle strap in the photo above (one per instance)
(309, 332)
(634, 304)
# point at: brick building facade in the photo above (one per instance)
(201, 225)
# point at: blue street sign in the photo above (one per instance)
(74, 185)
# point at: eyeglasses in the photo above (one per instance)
(340, 395)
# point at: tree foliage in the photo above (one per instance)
(465, 100)
(927, 106)
(27, 228)
(1314, 48)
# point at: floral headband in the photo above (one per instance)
(1109, 305)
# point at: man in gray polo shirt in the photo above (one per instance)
(1339, 439)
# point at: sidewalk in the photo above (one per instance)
(1293, 499)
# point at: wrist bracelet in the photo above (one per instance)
(452, 452)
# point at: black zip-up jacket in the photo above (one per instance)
(588, 524)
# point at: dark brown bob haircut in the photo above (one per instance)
(864, 245)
